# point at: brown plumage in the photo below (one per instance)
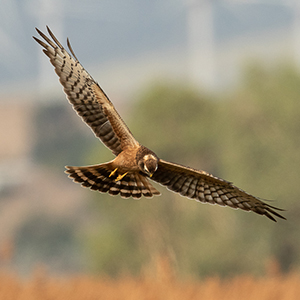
(129, 173)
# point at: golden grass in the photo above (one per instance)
(161, 284)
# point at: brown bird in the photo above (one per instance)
(129, 173)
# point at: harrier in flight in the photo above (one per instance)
(129, 173)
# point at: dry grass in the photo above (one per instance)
(161, 284)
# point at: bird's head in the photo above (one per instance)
(148, 164)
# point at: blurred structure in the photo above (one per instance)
(220, 35)
(201, 40)
(51, 13)
(16, 135)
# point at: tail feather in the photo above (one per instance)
(98, 178)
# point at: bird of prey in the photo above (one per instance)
(129, 172)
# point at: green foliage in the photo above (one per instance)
(250, 137)
(174, 121)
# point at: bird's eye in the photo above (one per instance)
(141, 165)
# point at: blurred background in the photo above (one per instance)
(211, 84)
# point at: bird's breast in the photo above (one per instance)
(126, 160)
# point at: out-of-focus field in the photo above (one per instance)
(161, 284)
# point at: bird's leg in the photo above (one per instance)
(120, 176)
(113, 172)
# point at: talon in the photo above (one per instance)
(120, 176)
(113, 172)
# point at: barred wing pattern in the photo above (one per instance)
(99, 178)
(78, 86)
(206, 188)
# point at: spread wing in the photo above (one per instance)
(86, 96)
(206, 188)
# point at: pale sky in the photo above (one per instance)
(133, 39)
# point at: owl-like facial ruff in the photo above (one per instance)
(147, 161)
(150, 164)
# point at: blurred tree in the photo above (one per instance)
(59, 138)
(263, 141)
(250, 137)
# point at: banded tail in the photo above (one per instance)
(100, 178)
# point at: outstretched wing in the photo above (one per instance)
(206, 188)
(84, 94)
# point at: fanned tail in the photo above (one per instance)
(100, 178)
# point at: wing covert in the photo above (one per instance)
(79, 87)
(207, 188)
